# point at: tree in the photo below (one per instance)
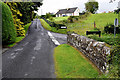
(117, 11)
(27, 9)
(111, 1)
(91, 6)
(48, 15)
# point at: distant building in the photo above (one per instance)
(68, 12)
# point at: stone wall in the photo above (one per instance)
(95, 51)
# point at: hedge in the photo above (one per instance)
(8, 28)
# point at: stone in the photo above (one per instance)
(94, 50)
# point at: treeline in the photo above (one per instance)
(16, 14)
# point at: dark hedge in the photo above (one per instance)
(8, 29)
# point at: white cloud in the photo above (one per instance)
(54, 5)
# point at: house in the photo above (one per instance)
(68, 12)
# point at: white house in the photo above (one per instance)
(68, 12)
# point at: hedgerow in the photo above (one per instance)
(8, 28)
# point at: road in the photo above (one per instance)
(33, 56)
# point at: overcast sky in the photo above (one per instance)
(55, 5)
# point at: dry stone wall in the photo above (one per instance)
(96, 51)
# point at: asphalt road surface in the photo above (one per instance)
(33, 56)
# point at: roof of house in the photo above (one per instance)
(68, 10)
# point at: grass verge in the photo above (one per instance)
(18, 39)
(53, 29)
(69, 63)
(26, 27)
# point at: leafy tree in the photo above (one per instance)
(8, 29)
(48, 15)
(27, 9)
(91, 6)
(111, 1)
(117, 11)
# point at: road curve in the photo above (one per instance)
(33, 56)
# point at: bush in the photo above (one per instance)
(70, 19)
(109, 28)
(64, 21)
(114, 61)
(8, 28)
(51, 19)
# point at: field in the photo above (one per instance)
(83, 25)
(87, 24)
(60, 18)
(69, 63)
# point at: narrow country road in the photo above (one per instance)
(33, 56)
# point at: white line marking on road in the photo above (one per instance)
(53, 39)
(25, 44)
(19, 49)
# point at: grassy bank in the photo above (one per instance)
(53, 29)
(60, 18)
(87, 24)
(69, 63)
(18, 39)
(26, 27)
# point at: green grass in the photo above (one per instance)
(80, 27)
(18, 39)
(108, 38)
(53, 29)
(60, 18)
(87, 24)
(69, 63)
(26, 27)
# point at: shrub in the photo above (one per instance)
(109, 28)
(8, 28)
(17, 22)
(70, 19)
(114, 70)
(51, 19)
(64, 21)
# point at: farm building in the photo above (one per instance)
(68, 12)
